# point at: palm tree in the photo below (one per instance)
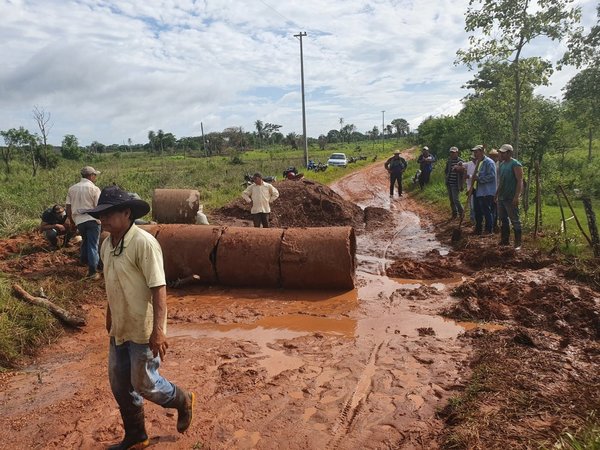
(160, 135)
(259, 131)
(152, 139)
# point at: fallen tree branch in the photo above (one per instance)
(62, 314)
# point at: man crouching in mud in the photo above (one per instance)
(136, 317)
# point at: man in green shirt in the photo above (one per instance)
(507, 196)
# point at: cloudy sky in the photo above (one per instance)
(113, 70)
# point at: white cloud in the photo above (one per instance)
(110, 71)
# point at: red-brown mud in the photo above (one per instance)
(374, 367)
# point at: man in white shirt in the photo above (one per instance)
(470, 171)
(82, 196)
(260, 195)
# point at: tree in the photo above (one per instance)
(70, 148)
(97, 147)
(401, 126)
(322, 141)
(159, 137)
(501, 30)
(152, 139)
(390, 129)
(42, 119)
(18, 139)
(582, 94)
(292, 140)
(259, 131)
(584, 49)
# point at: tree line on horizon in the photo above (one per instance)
(500, 106)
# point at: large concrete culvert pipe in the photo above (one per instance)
(300, 258)
(323, 258)
(175, 205)
(187, 250)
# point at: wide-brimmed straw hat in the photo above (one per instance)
(113, 197)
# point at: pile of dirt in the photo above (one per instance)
(523, 395)
(540, 300)
(417, 270)
(484, 256)
(301, 203)
(378, 218)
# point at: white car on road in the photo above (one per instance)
(338, 160)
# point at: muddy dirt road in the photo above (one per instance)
(275, 369)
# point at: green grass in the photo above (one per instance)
(22, 327)
(23, 198)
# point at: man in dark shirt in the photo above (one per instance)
(396, 165)
(425, 162)
(454, 182)
(53, 225)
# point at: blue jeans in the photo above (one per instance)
(483, 209)
(454, 196)
(90, 234)
(133, 375)
(507, 211)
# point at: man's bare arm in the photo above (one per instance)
(158, 339)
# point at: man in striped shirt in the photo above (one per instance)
(454, 182)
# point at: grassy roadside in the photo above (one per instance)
(24, 328)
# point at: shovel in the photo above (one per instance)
(457, 232)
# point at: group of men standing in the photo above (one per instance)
(494, 185)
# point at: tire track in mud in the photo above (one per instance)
(353, 407)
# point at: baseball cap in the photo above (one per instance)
(505, 148)
(89, 170)
(493, 152)
(396, 152)
(477, 147)
(425, 148)
(453, 150)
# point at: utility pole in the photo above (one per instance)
(383, 131)
(203, 140)
(300, 35)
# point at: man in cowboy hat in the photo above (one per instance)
(136, 316)
(396, 165)
(81, 196)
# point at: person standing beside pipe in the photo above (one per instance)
(260, 195)
(136, 317)
(81, 196)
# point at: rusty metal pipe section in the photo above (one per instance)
(175, 205)
(299, 258)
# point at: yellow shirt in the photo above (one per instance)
(128, 279)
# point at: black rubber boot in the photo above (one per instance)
(135, 432)
(184, 404)
(504, 235)
(518, 235)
